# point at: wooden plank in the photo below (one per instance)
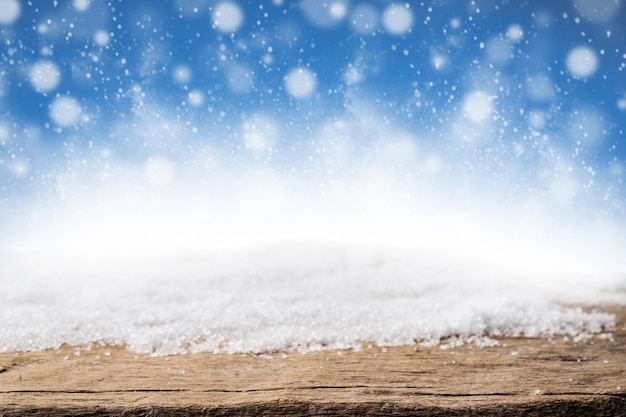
(558, 376)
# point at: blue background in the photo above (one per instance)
(583, 117)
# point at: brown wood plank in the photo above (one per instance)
(521, 376)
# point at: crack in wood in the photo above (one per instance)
(387, 389)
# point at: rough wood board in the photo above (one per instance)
(520, 377)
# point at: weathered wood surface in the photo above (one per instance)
(555, 377)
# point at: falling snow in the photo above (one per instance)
(231, 175)
(64, 111)
(9, 11)
(582, 62)
(300, 82)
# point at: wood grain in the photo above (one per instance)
(521, 376)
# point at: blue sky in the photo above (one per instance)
(513, 98)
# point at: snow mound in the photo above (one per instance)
(281, 297)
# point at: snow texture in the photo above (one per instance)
(280, 298)
(256, 267)
(230, 176)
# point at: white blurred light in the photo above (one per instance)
(300, 82)
(322, 13)
(65, 111)
(81, 5)
(260, 133)
(10, 11)
(44, 76)
(477, 106)
(196, 98)
(182, 74)
(438, 60)
(101, 38)
(582, 62)
(19, 168)
(227, 17)
(397, 19)
(353, 75)
(515, 33)
(338, 10)
(536, 119)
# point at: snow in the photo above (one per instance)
(338, 10)
(19, 168)
(192, 8)
(10, 11)
(262, 264)
(536, 119)
(45, 76)
(182, 74)
(65, 111)
(498, 50)
(324, 14)
(515, 33)
(587, 126)
(437, 60)
(196, 98)
(539, 87)
(101, 37)
(81, 5)
(477, 106)
(279, 297)
(597, 11)
(353, 75)
(582, 62)
(300, 82)
(240, 79)
(364, 19)
(309, 174)
(227, 17)
(260, 133)
(397, 19)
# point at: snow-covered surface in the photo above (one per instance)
(261, 276)
(235, 175)
(285, 297)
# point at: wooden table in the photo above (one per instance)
(551, 377)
